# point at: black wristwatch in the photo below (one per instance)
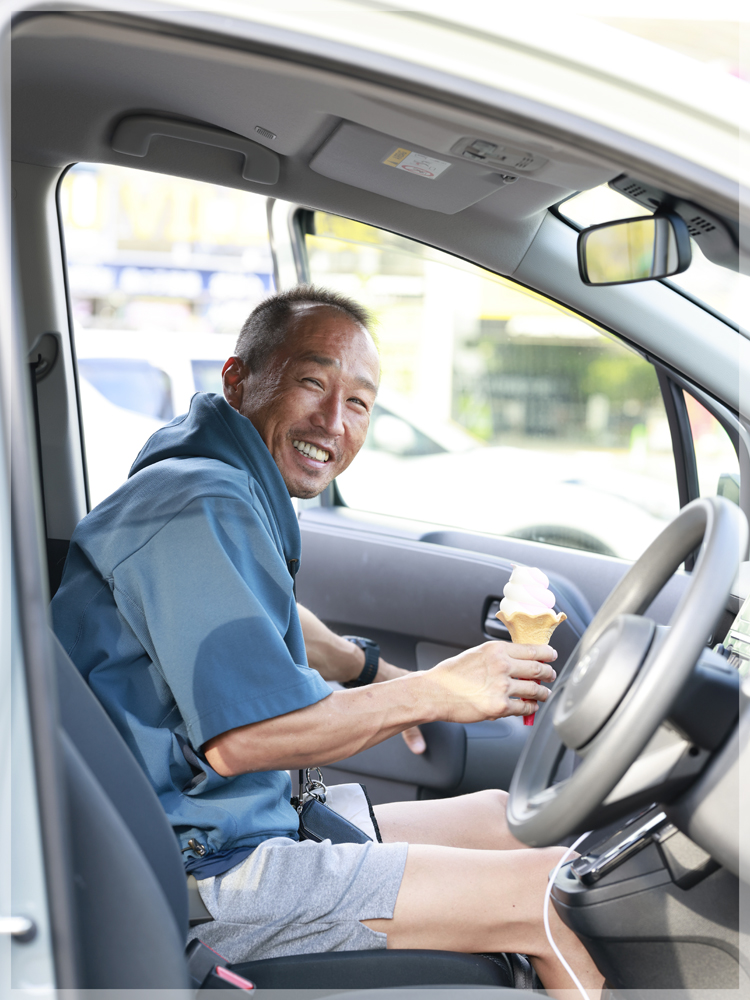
(372, 655)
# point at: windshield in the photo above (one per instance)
(718, 287)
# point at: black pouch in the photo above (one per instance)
(317, 822)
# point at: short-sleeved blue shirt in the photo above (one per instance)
(177, 606)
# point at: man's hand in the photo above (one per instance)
(336, 659)
(491, 681)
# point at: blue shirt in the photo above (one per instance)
(177, 606)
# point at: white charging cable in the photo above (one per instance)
(547, 930)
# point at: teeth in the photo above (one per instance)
(311, 450)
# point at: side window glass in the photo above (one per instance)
(499, 411)
(162, 273)
(130, 384)
(715, 456)
(207, 375)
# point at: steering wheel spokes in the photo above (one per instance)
(623, 677)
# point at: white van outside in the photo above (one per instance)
(132, 383)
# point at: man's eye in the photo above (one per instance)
(359, 402)
(313, 380)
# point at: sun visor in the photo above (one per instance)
(403, 171)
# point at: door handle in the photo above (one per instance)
(492, 626)
(133, 136)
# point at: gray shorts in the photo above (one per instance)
(290, 898)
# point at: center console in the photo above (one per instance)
(654, 909)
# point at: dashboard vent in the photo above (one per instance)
(266, 133)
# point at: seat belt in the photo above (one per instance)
(210, 971)
(35, 367)
(197, 912)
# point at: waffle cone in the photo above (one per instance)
(535, 629)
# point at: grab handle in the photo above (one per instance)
(133, 136)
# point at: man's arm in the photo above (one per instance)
(487, 682)
(336, 659)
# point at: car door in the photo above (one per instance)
(508, 430)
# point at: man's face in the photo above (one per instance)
(311, 402)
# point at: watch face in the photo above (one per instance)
(361, 641)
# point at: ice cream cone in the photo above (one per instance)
(532, 629)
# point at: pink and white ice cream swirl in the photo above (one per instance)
(527, 591)
(526, 610)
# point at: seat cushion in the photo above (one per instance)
(346, 970)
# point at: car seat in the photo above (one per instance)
(131, 892)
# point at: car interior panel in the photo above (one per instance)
(598, 432)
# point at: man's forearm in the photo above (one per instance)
(488, 682)
(335, 658)
(340, 725)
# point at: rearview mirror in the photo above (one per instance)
(617, 253)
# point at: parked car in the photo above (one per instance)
(539, 406)
(131, 384)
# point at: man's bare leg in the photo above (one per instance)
(457, 899)
(460, 893)
(476, 821)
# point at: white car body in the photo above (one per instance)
(591, 100)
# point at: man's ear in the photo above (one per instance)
(233, 376)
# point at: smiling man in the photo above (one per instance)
(312, 407)
(177, 605)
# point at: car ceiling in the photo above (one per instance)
(76, 77)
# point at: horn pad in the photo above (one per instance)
(601, 677)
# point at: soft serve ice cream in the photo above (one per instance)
(527, 610)
(527, 591)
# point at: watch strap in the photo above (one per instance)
(372, 656)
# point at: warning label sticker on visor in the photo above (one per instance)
(416, 163)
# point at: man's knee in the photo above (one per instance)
(491, 798)
(543, 860)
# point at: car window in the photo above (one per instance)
(715, 456)
(131, 384)
(499, 410)
(206, 375)
(162, 273)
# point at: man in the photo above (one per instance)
(177, 606)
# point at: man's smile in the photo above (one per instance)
(311, 451)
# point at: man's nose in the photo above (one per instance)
(330, 414)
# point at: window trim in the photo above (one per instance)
(736, 428)
(71, 333)
(683, 446)
(301, 223)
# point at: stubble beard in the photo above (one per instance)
(302, 492)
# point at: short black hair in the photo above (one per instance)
(266, 326)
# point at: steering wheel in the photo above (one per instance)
(619, 684)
